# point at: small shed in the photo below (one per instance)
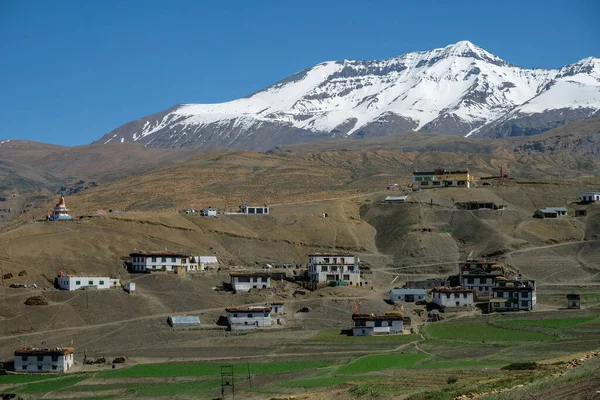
(129, 287)
(183, 320)
(573, 301)
(396, 199)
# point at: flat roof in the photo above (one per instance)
(248, 309)
(552, 209)
(391, 316)
(158, 254)
(331, 255)
(407, 291)
(249, 274)
(33, 351)
(396, 198)
(447, 289)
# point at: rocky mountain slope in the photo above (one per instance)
(460, 89)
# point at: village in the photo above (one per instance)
(477, 285)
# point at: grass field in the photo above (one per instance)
(484, 333)
(556, 323)
(164, 370)
(414, 366)
(380, 362)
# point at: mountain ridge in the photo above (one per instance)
(460, 89)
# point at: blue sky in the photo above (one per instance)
(72, 71)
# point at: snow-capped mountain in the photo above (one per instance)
(460, 89)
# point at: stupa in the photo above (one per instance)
(60, 211)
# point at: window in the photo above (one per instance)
(154, 267)
(437, 183)
(101, 282)
(264, 286)
(24, 367)
(24, 358)
(254, 286)
(255, 279)
(507, 304)
(153, 259)
(457, 303)
(39, 367)
(55, 358)
(326, 260)
(54, 367)
(471, 280)
(342, 260)
(249, 315)
(173, 259)
(323, 268)
(90, 282)
(465, 295)
(524, 295)
(235, 315)
(456, 295)
(500, 294)
(78, 282)
(266, 315)
(447, 295)
(480, 288)
(346, 277)
(334, 268)
(163, 259)
(524, 304)
(40, 358)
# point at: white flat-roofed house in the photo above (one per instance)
(163, 261)
(58, 359)
(589, 197)
(245, 318)
(445, 296)
(208, 212)
(254, 210)
(324, 268)
(207, 262)
(244, 281)
(407, 295)
(369, 324)
(513, 295)
(66, 282)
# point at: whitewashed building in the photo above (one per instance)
(252, 210)
(370, 324)
(513, 295)
(452, 296)
(407, 295)
(58, 359)
(208, 212)
(129, 287)
(246, 318)
(325, 268)
(66, 282)
(589, 197)
(207, 262)
(244, 281)
(163, 261)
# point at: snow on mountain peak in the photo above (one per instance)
(459, 89)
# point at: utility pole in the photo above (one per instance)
(249, 376)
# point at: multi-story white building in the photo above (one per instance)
(248, 209)
(252, 317)
(479, 275)
(66, 282)
(513, 295)
(445, 296)
(243, 281)
(369, 324)
(163, 261)
(58, 359)
(589, 197)
(324, 268)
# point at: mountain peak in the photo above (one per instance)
(459, 89)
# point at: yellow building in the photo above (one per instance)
(443, 177)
